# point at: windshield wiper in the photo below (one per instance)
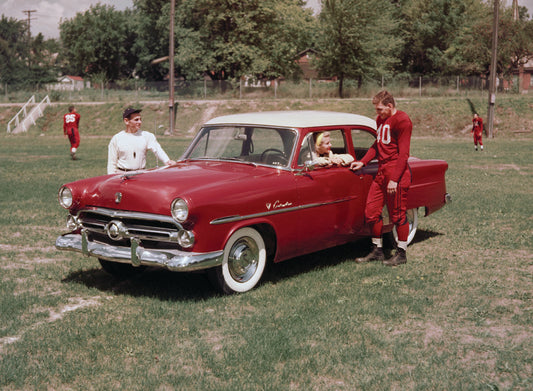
(236, 159)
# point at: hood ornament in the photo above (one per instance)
(118, 197)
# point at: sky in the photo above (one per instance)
(49, 12)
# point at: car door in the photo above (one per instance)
(331, 199)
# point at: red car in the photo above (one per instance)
(245, 191)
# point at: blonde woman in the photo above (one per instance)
(324, 156)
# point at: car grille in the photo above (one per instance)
(143, 226)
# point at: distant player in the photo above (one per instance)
(477, 131)
(71, 123)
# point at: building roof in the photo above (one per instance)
(75, 78)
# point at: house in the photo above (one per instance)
(69, 83)
(525, 77)
(304, 60)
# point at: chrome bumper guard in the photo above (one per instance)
(174, 260)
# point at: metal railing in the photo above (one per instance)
(22, 112)
(22, 125)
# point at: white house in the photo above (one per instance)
(69, 83)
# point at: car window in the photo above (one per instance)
(338, 145)
(218, 142)
(307, 151)
(246, 143)
(362, 140)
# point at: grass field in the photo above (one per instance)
(457, 316)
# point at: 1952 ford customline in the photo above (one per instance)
(244, 192)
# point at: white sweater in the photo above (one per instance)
(128, 151)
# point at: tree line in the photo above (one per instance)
(260, 39)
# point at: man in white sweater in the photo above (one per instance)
(127, 149)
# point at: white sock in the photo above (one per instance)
(378, 242)
(402, 245)
(73, 150)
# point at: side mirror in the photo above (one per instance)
(309, 165)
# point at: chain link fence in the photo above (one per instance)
(422, 86)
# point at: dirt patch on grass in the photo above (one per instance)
(74, 303)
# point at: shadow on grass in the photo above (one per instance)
(175, 286)
(152, 282)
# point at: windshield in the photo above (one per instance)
(257, 145)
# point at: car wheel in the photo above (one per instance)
(243, 264)
(412, 218)
(120, 270)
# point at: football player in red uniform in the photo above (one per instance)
(71, 122)
(477, 131)
(390, 186)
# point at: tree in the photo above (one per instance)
(44, 65)
(234, 38)
(430, 27)
(470, 52)
(294, 29)
(152, 37)
(358, 39)
(100, 40)
(13, 50)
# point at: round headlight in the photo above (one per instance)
(65, 197)
(179, 210)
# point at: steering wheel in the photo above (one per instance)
(274, 156)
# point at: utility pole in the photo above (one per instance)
(492, 82)
(516, 17)
(29, 12)
(171, 68)
(28, 24)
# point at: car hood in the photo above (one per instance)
(153, 191)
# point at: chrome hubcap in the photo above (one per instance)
(243, 259)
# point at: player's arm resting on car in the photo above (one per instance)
(369, 155)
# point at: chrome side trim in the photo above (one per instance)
(174, 260)
(231, 219)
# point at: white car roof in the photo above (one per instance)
(294, 119)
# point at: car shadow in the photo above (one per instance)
(152, 282)
(195, 286)
(422, 235)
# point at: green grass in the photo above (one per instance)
(457, 316)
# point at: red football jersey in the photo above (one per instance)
(477, 125)
(392, 143)
(71, 120)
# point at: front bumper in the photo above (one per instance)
(174, 260)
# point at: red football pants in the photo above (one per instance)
(396, 203)
(74, 137)
(478, 138)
